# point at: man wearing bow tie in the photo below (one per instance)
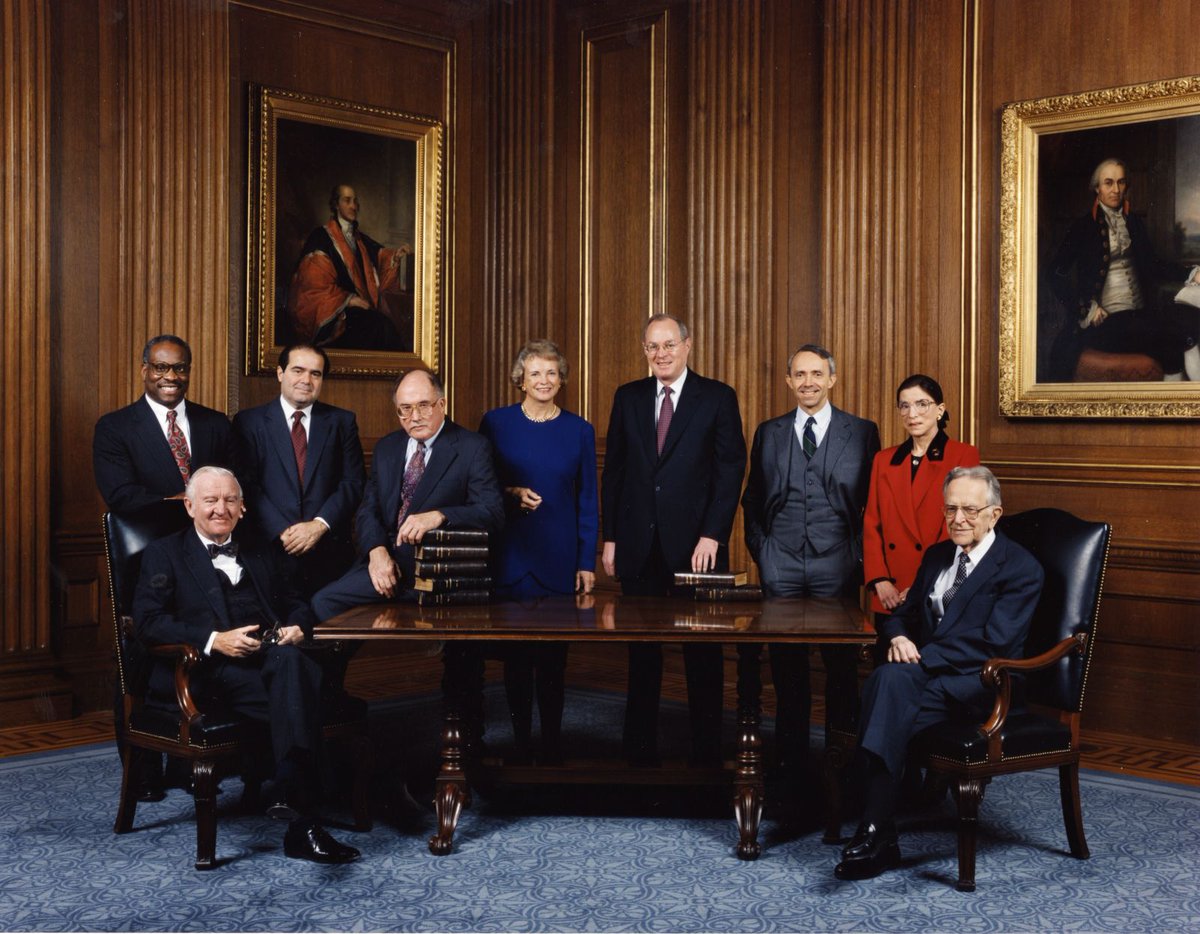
(198, 588)
(973, 599)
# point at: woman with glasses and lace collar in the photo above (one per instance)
(904, 505)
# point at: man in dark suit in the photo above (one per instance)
(146, 451)
(301, 465)
(803, 511)
(673, 466)
(429, 474)
(973, 599)
(198, 588)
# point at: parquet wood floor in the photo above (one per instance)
(380, 672)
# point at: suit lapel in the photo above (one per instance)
(783, 437)
(439, 462)
(643, 417)
(987, 569)
(280, 434)
(152, 439)
(201, 568)
(318, 440)
(255, 570)
(835, 439)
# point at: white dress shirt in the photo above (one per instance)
(228, 566)
(946, 578)
(823, 417)
(676, 389)
(160, 413)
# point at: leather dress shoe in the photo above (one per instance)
(306, 839)
(873, 849)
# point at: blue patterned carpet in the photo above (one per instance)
(583, 860)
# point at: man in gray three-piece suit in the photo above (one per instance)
(803, 512)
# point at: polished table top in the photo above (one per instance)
(609, 616)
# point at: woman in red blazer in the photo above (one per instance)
(904, 505)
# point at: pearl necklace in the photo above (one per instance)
(544, 418)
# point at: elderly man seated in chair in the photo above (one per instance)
(973, 599)
(196, 589)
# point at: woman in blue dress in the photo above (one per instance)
(546, 462)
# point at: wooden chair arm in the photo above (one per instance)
(186, 658)
(997, 676)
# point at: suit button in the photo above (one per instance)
(918, 546)
(652, 525)
(891, 546)
(657, 489)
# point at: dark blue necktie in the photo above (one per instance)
(810, 438)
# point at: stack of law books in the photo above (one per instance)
(719, 586)
(452, 567)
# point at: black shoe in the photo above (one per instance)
(306, 839)
(872, 850)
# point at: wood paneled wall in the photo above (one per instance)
(26, 262)
(775, 172)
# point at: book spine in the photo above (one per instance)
(685, 579)
(444, 584)
(431, 569)
(450, 552)
(456, 537)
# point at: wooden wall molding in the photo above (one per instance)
(25, 455)
(172, 212)
(623, 237)
(872, 236)
(521, 228)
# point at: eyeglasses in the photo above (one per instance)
(669, 347)
(162, 369)
(921, 406)
(970, 513)
(423, 409)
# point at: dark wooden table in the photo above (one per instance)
(604, 617)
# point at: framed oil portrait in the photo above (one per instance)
(345, 234)
(1099, 254)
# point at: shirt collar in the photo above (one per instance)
(676, 387)
(823, 416)
(975, 555)
(413, 442)
(160, 411)
(347, 226)
(205, 541)
(288, 409)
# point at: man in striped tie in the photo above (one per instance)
(810, 470)
(972, 600)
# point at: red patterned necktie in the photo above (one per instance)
(299, 444)
(412, 476)
(179, 447)
(665, 412)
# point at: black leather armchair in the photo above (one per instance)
(1034, 723)
(212, 741)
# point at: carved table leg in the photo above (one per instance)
(748, 774)
(450, 792)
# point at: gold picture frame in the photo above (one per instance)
(1050, 148)
(305, 150)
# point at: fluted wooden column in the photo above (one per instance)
(174, 188)
(521, 133)
(731, 194)
(870, 284)
(25, 328)
(731, 190)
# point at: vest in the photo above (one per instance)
(807, 516)
(242, 602)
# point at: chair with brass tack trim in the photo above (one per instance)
(212, 741)
(1043, 730)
